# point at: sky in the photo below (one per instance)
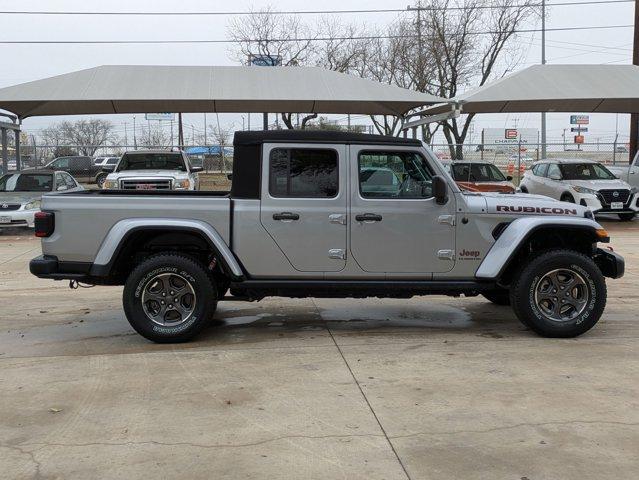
(22, 63)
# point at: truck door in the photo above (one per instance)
(303, 205)
(633, 172)
(396, 225)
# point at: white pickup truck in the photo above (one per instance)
(305, 217)
(152, 170)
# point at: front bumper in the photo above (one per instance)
(597, 205)
(611, 264)
(18, 218)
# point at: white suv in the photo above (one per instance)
(584, 182)
(153, 170)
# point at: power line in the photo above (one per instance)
(310, 12)
(307, 39)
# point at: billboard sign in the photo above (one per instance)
(579, 119)
(509, 136)
(168, 117)
(265, 60)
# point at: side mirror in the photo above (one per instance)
(197, 169)
(440, 190)
(108, 168)
(509, 178)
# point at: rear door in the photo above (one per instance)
(396, 225)
(80, 168)
(304, 201)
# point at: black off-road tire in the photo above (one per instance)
(184, 267)
(498, 297)
(626, 217)
(523, 293)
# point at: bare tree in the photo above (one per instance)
(222, 136)
(153, 136)
(85, 136)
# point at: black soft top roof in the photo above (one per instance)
(257, 137)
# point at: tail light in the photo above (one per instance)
(44, 224)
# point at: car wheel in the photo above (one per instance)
(560, 293)
(626, 217)
(523, 189)
(169, 298)
(498, 297)
(99, 180)
(566, 197)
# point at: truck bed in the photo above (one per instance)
(83, 219)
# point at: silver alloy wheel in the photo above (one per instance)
(168, 299)
(561, 295)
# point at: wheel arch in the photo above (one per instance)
(527, 236)
(128, 236)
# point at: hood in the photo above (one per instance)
(599, 184)
(525, 204)
(501, 187)
(19, 197)
(146, 174)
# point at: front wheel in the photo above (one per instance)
(99, 180)
(560, 293)
(626, 217)
(169, 298)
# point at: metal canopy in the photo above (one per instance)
(146, 89)
(554, 88)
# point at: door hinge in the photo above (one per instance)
(337, 253)
(446, 255)
(449, 219)
(338, 218)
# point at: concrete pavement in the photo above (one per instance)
(424, 388)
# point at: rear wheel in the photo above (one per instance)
(169, 297)
(523, 189)
(99, 180)
(560, 293)
(626, 217)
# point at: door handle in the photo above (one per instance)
(368, 217)
(286, 216)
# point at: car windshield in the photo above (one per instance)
(476, 172)
(26, 182)
(152, 161)
(585, 171)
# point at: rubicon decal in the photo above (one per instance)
(542, 210)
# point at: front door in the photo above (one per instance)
(396, 224)
(303, 207)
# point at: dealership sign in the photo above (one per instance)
(168, 117)
(579, 119)
(509, 136)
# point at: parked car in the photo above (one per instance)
(629, 174)
(153, 170)
(108, 160)
(300, 221)
(479, 177)
(79, 167)
(20, 194)
(585, 182)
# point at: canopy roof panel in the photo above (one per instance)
(555, 88)
(156, 89)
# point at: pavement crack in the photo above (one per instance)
(518, 425)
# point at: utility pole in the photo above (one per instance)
(205, 139)
(543, 62)
(180, 132)
(634, 118)
(126, 136)
(135, 138)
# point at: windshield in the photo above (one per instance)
(585, 171)
(152, 161)
(23, 182)
(476, 172)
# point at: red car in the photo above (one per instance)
(479, 177)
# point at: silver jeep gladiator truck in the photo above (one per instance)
(328, 214)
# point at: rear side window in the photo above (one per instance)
(540, 170)
(303, 173)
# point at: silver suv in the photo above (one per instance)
(328, 214)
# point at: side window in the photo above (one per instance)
(61, 163)
(541, 169)
(59, 181)
(553, 171)
(387, 174)
(303, 173)
(68, 179)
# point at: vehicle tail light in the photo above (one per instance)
(44, 224)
